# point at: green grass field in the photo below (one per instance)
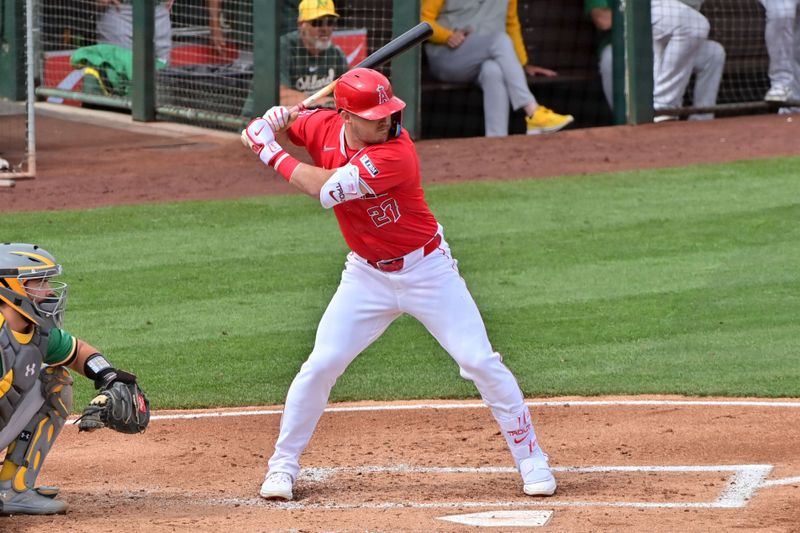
(679, 281)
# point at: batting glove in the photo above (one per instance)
(259, 137)
(277, 117)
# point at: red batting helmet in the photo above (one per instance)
(366, 93)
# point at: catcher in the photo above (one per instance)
(35, 386)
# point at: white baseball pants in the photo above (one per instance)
(782, 35)
(367, 300)
(707, 66)
(491, 61)
(678, 35)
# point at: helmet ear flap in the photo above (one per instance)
(396, 126)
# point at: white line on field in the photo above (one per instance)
(741, 487)
(320, 473)
(784, 481)
(446, 406)
(547, 502)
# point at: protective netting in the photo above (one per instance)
(739, 27)
(207, 52)
(17, 120)
(13, 138)
(204, 49)
(708, 55)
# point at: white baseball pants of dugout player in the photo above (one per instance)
(707, 68)
(782, 35)
(681, 47)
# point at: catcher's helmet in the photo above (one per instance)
(366, 93)
(20, 263)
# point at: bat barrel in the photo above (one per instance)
(397, 46)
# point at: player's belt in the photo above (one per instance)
(393, 265)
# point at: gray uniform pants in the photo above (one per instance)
(707, 66)
(115, 26)
(782, 35)
(491, 61)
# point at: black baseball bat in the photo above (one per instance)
(384, 54)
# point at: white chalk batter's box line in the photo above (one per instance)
(742, 485)
(447, 406)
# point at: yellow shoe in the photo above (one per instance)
(545, 120)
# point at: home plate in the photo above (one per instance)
(501, 518)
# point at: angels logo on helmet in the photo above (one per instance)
(382, 96)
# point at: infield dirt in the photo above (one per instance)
(204, 474)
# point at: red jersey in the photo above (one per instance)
(394, 219)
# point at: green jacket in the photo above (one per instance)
(114, 65)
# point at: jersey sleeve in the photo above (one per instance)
(61, 348)
(514, 30)
(429, 13)
(384, 166)
(588, 5)
(298, 131)
(302, 130)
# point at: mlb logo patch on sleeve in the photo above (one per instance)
(369, 165)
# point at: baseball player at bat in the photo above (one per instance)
(366, 169)
(35, 386)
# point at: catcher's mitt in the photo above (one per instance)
(121, 406)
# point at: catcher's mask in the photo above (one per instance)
(26, 284)
(368, 94)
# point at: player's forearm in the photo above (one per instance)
(84, 350)
(213, 14)
(310, 179)
(601, 17)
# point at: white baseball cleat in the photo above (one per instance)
(778, 93)
(537, 477)
(664, 118)
(277, 486)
